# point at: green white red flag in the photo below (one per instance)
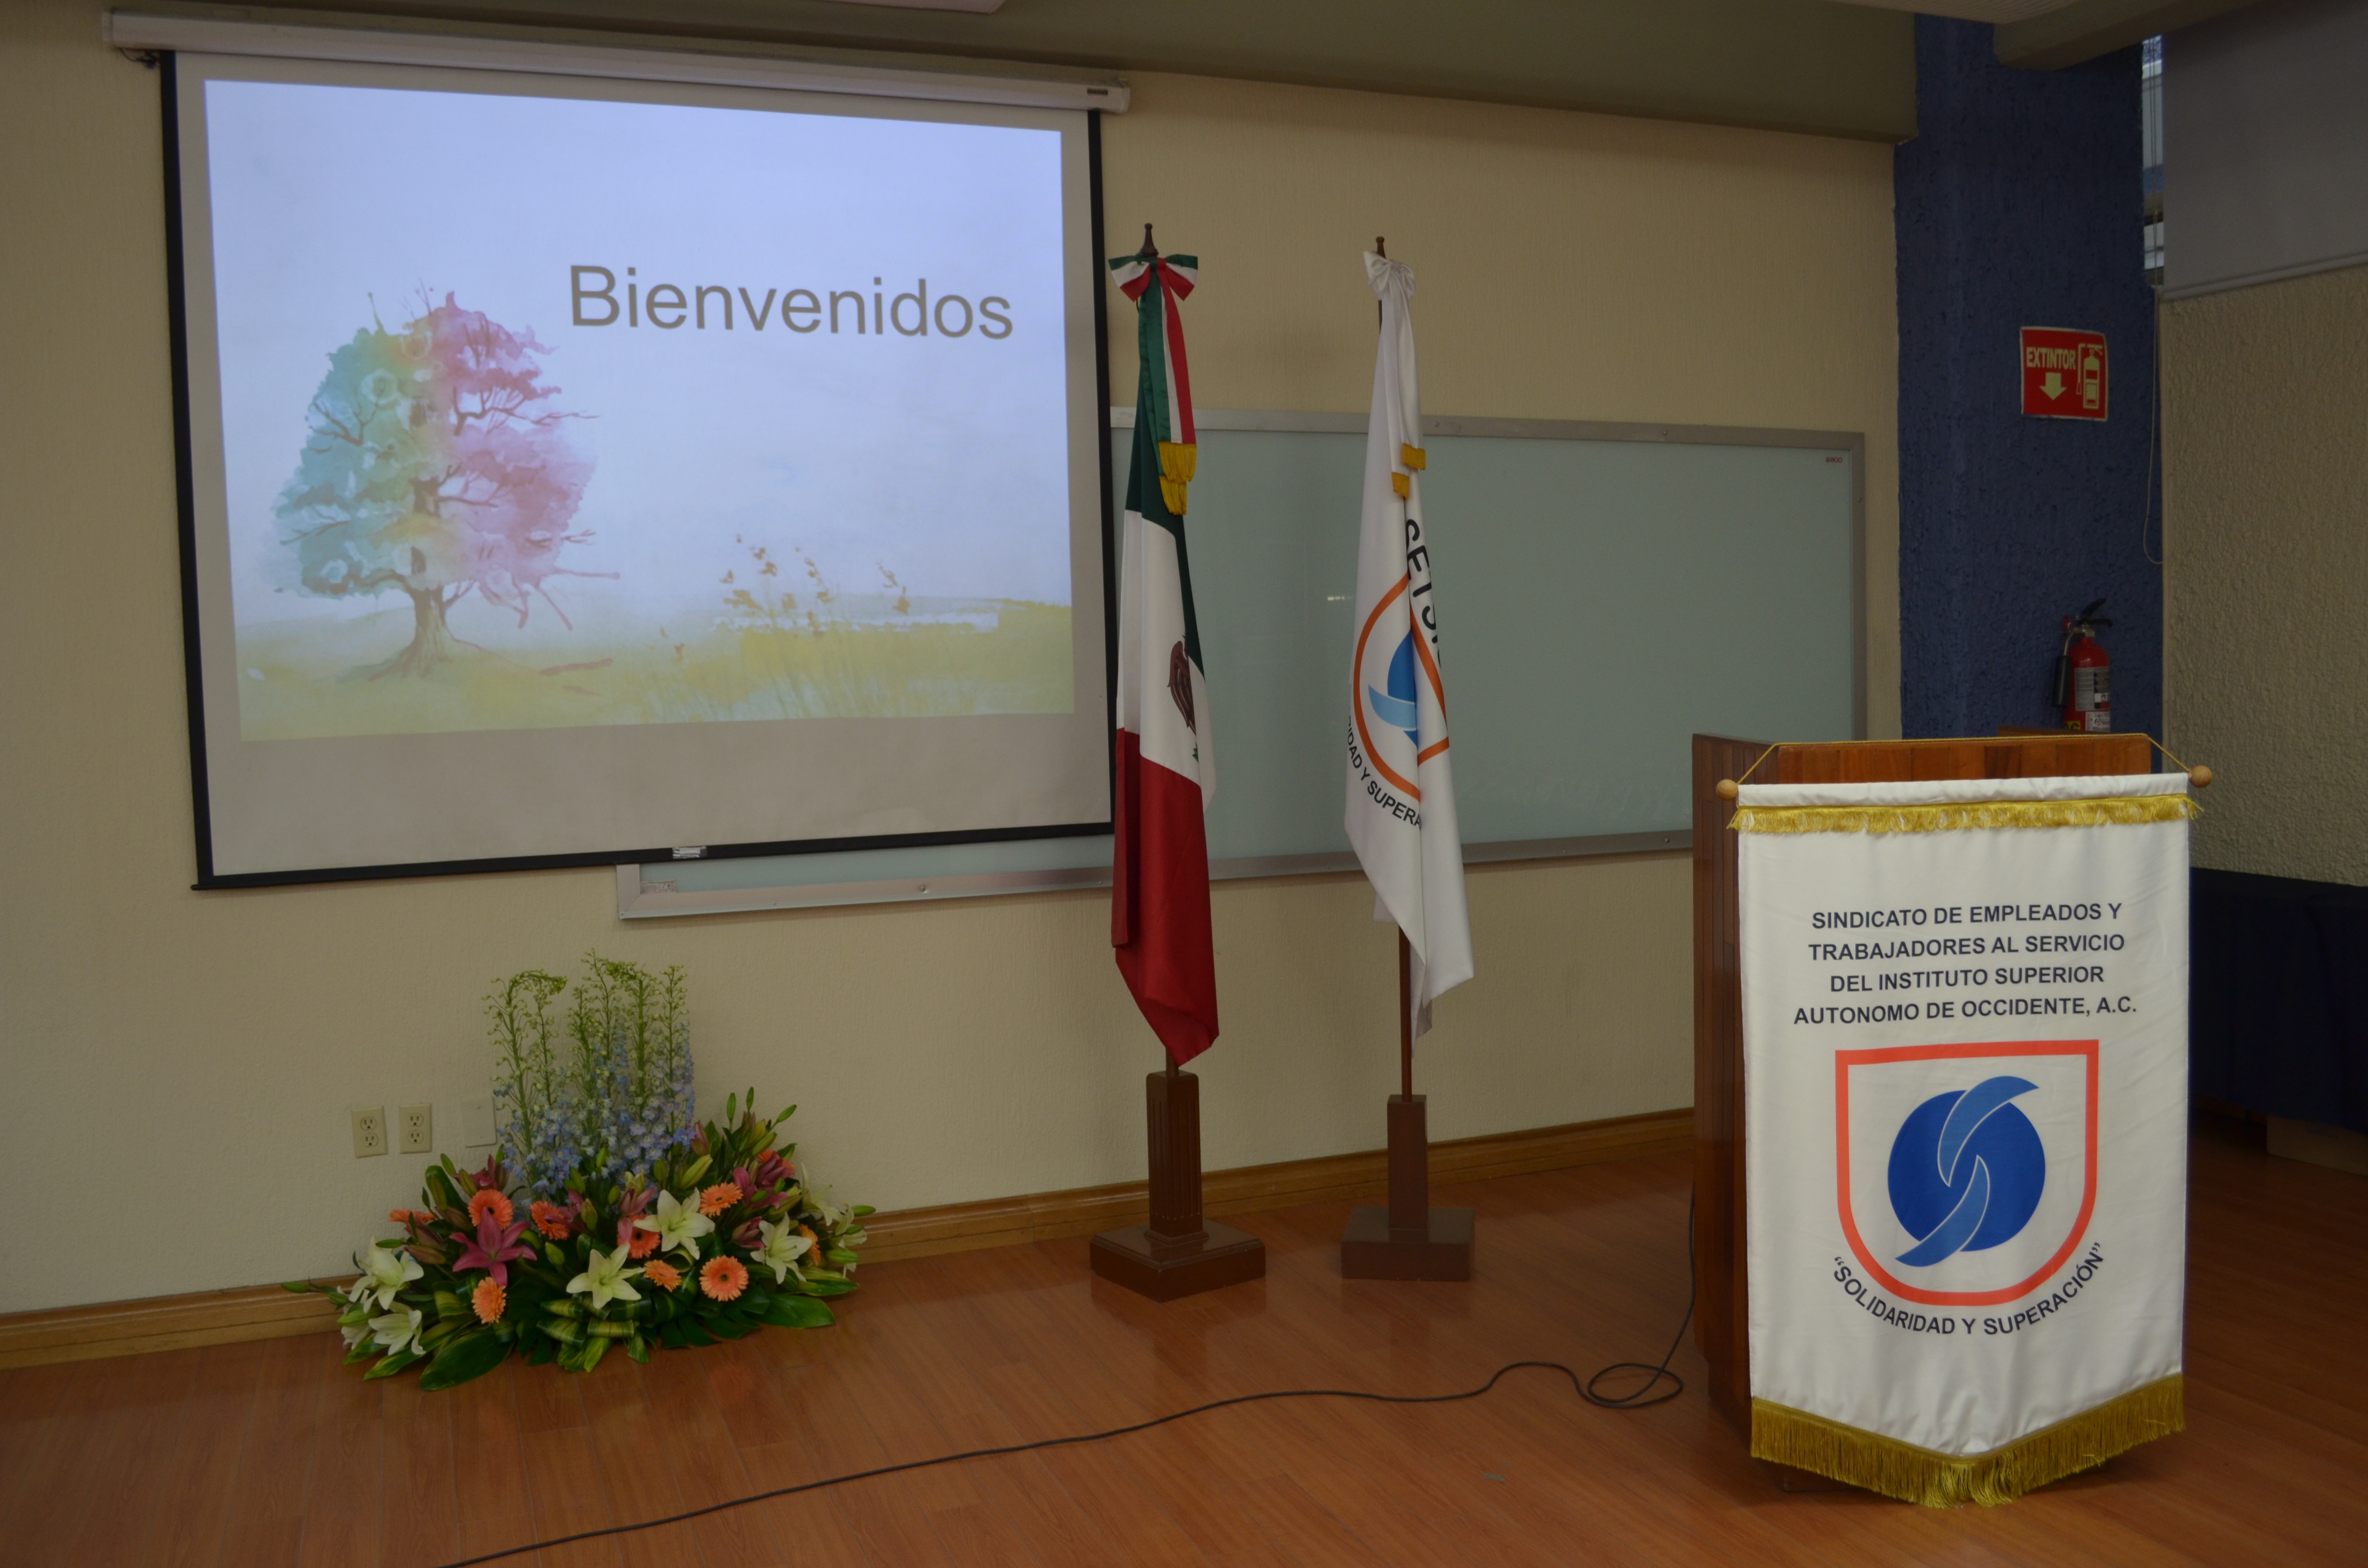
(1167, 768)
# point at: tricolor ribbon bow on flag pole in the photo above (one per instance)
(1401, 811)
(1167, 768)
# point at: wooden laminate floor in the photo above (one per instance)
(253, 1456)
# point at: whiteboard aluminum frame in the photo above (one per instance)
(645, 891)
(695, 63)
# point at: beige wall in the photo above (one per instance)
(2265, 537)
(179, 1067)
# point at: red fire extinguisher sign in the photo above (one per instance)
(2062, 373)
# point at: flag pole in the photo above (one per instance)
(1406, 1016)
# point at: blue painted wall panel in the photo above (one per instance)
(2018, 204)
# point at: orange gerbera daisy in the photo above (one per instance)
(719, 1198)
(488, 1299)
(662, 1274)
(550, 1218)
(723, 1278)
(643, 1242)
(485, 1199)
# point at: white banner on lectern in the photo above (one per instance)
(1964, 1025)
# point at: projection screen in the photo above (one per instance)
(580, 469)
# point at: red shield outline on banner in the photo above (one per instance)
(1845, 1060)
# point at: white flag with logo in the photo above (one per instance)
(1401, 808)
(1965, 1044)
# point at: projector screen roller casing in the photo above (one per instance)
(575, 467)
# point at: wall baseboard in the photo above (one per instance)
(1081, 1212)
(267, 1312)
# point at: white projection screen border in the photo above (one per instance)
(359, 772)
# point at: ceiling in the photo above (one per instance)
(1819, 67)
(2046, 35)
(1806, 65)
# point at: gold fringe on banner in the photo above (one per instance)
(1899, 1469)
(1177, 462)
(1971, 814)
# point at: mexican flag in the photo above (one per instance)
(1166, 770)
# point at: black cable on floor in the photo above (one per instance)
(1585, 1391)
(1635, 1399)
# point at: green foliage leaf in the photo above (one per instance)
(468, 1355)
(390, 1365)
(841, 1256)
(541, 1352)
(441, 1193)
(449, 1307)
(798, 1312)
(818, 1286)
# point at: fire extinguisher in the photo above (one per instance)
(2084, 673)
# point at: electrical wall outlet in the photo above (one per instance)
(414, 1127)
(477, 1122)
(369, 1132)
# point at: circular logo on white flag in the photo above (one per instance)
(1392, 670)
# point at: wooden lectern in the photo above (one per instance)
(1722, 1321)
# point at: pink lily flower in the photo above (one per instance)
(491, 1175)
(493, 1248)
(631, 1207)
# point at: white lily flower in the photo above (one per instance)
(355, 1333)
(835, 1215)
(678, 1224)
(385, 1270)
(398, 1330)
(783, 1247)
(605, 1277)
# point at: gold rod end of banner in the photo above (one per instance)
(2200, 777)
(1727, 789)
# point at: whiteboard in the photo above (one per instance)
(1605, 592)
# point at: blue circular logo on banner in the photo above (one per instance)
(1967, 1170)
(1395, 707)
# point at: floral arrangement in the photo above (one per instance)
(609, 1215)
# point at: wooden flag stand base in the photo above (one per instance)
(1409, 1239)
(1178, 1253)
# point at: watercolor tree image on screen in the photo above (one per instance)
(437, 467)
(444, 470)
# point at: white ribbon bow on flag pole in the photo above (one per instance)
(1401, 797)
